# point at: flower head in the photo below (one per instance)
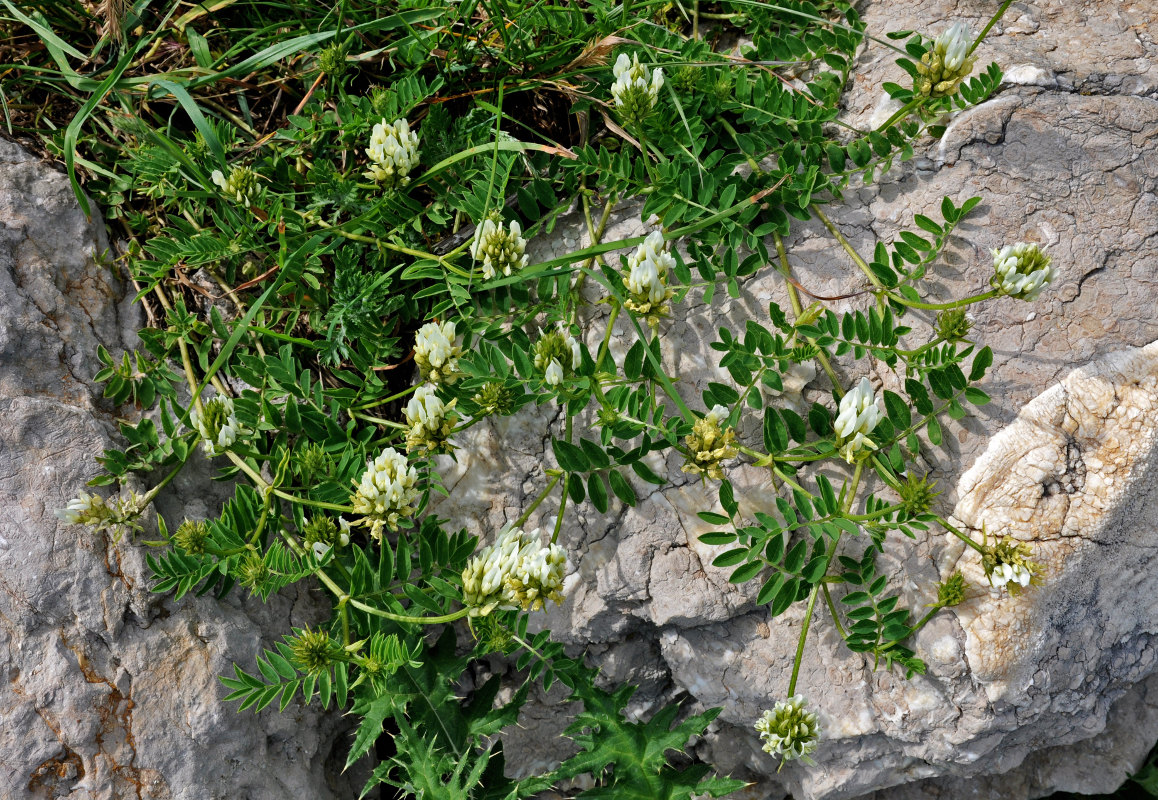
(918, 494)
(789, 731)
(217, 424)
(951, 591)
(314, 652)
(517, 571)
(557, 354)
(84, 509)
(1006, 563)
(386, 493)
(192, 536)
(636, 87)
(858, 415)
(430, 421)
(947, 63)
(501, 250)
(241, 186)
(393, 153)
(709, 444)
(494, 397)
(321, 535)
(117, 514)
(436, 352)
(1021, 270)
(646, 278)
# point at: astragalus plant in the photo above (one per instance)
(330, 213)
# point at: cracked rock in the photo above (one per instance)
(109, 691)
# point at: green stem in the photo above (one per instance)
(538, 500)
(901, 113)
(798, 310)
(832, 611)
(944, 523)
(817, 587)
(977, 298)
(989, 25)
(848, 248)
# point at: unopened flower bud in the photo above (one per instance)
(241, 186)
(709, 445)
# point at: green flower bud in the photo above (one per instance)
(314, 652)
(951, 591)
(191, 536)
(241, 186)
(494, 398)
(952, 325)
(917, 494)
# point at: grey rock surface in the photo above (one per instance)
(107, 690)
(1024, 696)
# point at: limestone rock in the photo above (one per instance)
(109, 691)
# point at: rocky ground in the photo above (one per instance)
(111, 692)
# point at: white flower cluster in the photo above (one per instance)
(217, 423)
(636, 88)
(557, 354)
(1021, 270)
(241, 186)
(426, 415)
(859, 414)
(948, 63)
(84, 509)
(386, 492)
(436, 352)
(953, 45)
(646, 278)
(517, 571)
(500, 249)
(393, 153)
(788, 730)
(117, 514)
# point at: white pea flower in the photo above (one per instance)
(517, 571)
(789, 731)
(636, 88)
(646, 278)
(553, 375)
(436, 352)
(1021, 270)
(393, 153)
(429, 420)
(386, 493)
(217, 423)
(858, 415)
(500, 249)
